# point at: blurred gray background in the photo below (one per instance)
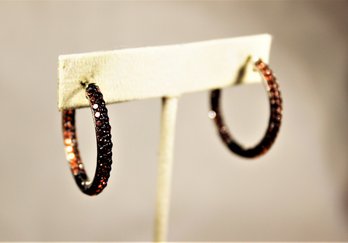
(294, 193)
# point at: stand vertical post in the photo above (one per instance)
(165, 164)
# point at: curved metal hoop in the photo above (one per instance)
(274, 122)
(104, 144)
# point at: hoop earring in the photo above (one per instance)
(274, 121)
(104, 143)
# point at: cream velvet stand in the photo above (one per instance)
(166, 72)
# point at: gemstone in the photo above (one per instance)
(211, 114)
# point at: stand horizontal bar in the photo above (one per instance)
(164, 71)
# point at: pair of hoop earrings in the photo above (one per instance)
(103, 132)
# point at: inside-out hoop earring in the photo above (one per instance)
(104, 143)
(274, 121)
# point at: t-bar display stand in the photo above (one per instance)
(166, 72)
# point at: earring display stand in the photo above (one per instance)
(166, 72)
